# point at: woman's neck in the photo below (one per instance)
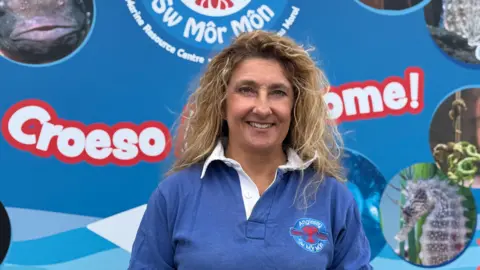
(260, 166)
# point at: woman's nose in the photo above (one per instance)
(262, 105)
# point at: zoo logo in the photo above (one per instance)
(208, 25)
(310, 234)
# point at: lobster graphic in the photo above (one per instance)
(216, 4)
(310, 232)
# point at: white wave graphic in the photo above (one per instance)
(109, 259)
(31, 224)
(121, 228)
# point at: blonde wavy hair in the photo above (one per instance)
(310, 131)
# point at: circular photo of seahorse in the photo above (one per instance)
(5, 232)
(454, 26)
(366, 184)
(455, 136)
(36, 32)
(427, 219)
(393, 7)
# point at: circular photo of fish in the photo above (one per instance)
(366, 184)
(392, 6)
(454, 26)
(5, 232)
(427, 219)
(41, 32)
(455, 136)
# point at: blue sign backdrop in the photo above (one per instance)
(87, 112)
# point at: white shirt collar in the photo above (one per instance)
(294, 162)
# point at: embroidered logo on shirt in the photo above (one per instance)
(310, 234)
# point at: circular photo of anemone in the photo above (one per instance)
(427, 219)
(454, 26)
(455, 136)
(366, 184)
(393, 5)
(41, 32)
(5, 232)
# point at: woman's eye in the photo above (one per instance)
(279, 92)
(245, 89)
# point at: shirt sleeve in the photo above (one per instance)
(352, 249)
(152, 248)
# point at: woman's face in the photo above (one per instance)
(258, 105)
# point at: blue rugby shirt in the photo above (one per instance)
(198, 218)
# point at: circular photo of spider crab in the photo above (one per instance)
(455, 136)
(428, 219)
(454, 26)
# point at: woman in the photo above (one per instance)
(258, 183)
